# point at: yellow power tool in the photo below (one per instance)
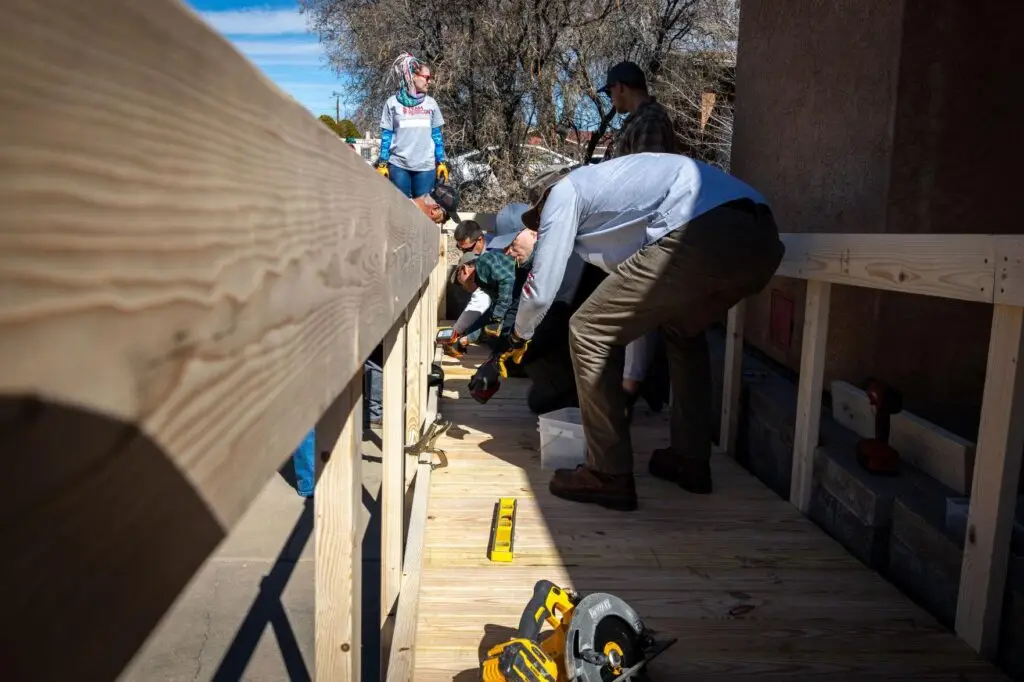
(609, 642)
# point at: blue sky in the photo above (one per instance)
(273, 35)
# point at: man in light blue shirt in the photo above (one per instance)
(682, 242)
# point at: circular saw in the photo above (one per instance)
(593, 638)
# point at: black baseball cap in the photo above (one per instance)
(447, 197)
(627, 73)
(467, 258)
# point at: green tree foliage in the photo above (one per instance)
(347, 128)
(343, 128)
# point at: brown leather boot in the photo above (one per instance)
(583, 484)
(689, 474)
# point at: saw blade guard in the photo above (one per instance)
(602, 623)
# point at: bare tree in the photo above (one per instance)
(509, 70)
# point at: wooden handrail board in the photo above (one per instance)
(184, 247)
(191, 268)
(950, 266)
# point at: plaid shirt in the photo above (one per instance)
(496, 275)
(648, 129)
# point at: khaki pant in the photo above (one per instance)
(681, 283)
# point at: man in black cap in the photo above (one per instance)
(648, 128)
(440, 205)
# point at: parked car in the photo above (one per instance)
(473, 168)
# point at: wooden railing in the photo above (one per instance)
(981, 268)
(193, 270)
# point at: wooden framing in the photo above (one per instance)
(982, 268)
(732, 379)
(393, 478)
(994, 488)
(338, 529)
(193, 269)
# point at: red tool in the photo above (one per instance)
(875, 454)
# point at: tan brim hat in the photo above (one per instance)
(538, 194)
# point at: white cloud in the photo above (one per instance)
(257, 22)
(273, 48)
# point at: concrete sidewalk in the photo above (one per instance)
(248, 614)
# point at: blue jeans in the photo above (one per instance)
(411, 183)
(373, 393)
(304, 460)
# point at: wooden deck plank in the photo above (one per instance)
(749, 586)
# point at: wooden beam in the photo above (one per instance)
(339, 539)
(732, 379)
(413, 375)
(393, 478)
(951, 266)
(939, 453)
(808, 405)
(994, 489)
(193, 264)
(402, 660)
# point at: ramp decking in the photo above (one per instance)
(752, 589)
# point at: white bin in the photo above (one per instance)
(562, 445)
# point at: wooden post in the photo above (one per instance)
(393, 477)
(413, 363)
(732, 379)
(338, 506)
(808, 404)
(997, 468)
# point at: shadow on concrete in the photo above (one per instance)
(101, 531)
(268, 609)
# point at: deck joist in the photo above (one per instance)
(751, 588)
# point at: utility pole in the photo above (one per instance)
(337, 106)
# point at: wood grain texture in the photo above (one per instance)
(732, 379)
(185, 247)
(939, 453)
(393, 476)
(752, 588)
(401, 663)
(338, 507)
(808, 402)
(994, 489)
(1009, 276)
(951, 266)
(414, 383)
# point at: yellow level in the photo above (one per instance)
(503, 527)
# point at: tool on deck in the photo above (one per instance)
(503, 529)
(875, 454)
(486, 381)
(594, 638)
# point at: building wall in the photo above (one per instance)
(877, 116)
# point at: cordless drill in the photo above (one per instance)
(875, 454)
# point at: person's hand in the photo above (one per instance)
(514, 350)
(382, 168)
(442, 172)
(493, 328)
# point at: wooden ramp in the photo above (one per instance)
(751, 588)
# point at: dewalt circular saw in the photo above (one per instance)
(594, 638)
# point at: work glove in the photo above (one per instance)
(493, 328)
(442, 172)
(454, 347)
(515, 349)
(382, 168)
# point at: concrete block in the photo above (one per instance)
(924, 561)
(869, 544)
(869, 498)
